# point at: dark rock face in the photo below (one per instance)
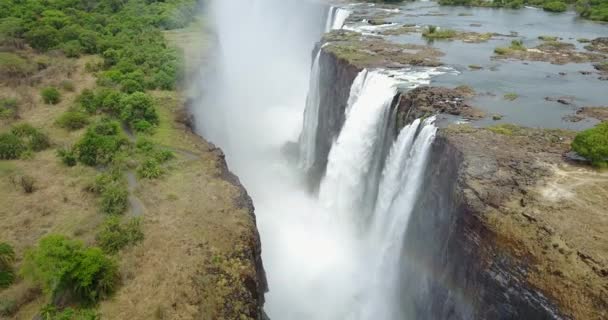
(336, 77)
(451, 258)
(423, 101)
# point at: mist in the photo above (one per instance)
(252, 104)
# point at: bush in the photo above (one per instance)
(13, 66)
(138, 106)
(43, 38)
(593, 144)
(100, 143)
(114, 198)
(555, 6)
(27, 184)
(72, 49)
(433, 32)
(114, 236)
(131, 86)
(72, 120)
(66, 268)
(517, 45)
(150, 169)
(34, 138)
(50, 95)
(67, 156)
(87, 100)
(7, 257)
(8, 107)
(11, 146)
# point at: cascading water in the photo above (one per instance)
(336, 18)
(331, 256)
(352, 157)
(311, 118)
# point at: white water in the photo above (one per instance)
(349, 164)
(322, 260)
(336, 18)
(311, 118)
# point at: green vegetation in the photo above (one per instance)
(7, 257)
(112, 191)
(555, 6)
(590, 9)
(433, 32)
(547, 38)
(35, 139)
(516, 45)
(50, 95)
(68, 269)
(73, 120)
(505, 129)
(115, 235)
(593, 144)
(14, 66)
(50, 312)
(67, 157)
(100, 143)
(11, 147)
(8, 107)
(511, 96)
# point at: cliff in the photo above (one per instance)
(505, 227)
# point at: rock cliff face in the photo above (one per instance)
(483, 242)
(336, 77)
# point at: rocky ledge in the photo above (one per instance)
(509, 229)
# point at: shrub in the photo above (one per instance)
(100, 143)
(555, 6)
(7, 257)
(43, 38)
(547, 38)
(501, 50)
(511, 96)
(114, 235)
(66, 268)
(150, 169)
(67, 156)
(13, 66)
(11, 146)
(72, 49)
(8, 107)
(517, 45)
(87, 100)
(27, 184)
(72, 120)
(131, 86)
(50, 95)
(114, 198)
(138, 106)
(593, 144)
(432, 32)
(34, 138)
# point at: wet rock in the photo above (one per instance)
(432, 100)
(600, 113)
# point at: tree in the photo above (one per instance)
(66, 268)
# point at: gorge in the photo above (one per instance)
(371, 200)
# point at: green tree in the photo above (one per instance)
(593, 144)
(66, 268)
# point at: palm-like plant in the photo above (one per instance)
(7, 257)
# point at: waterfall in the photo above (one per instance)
(351, 158)
(311, 118)
(336, 18)
(401, 180)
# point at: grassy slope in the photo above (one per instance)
(196, 252)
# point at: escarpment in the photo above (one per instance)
(497, 232)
